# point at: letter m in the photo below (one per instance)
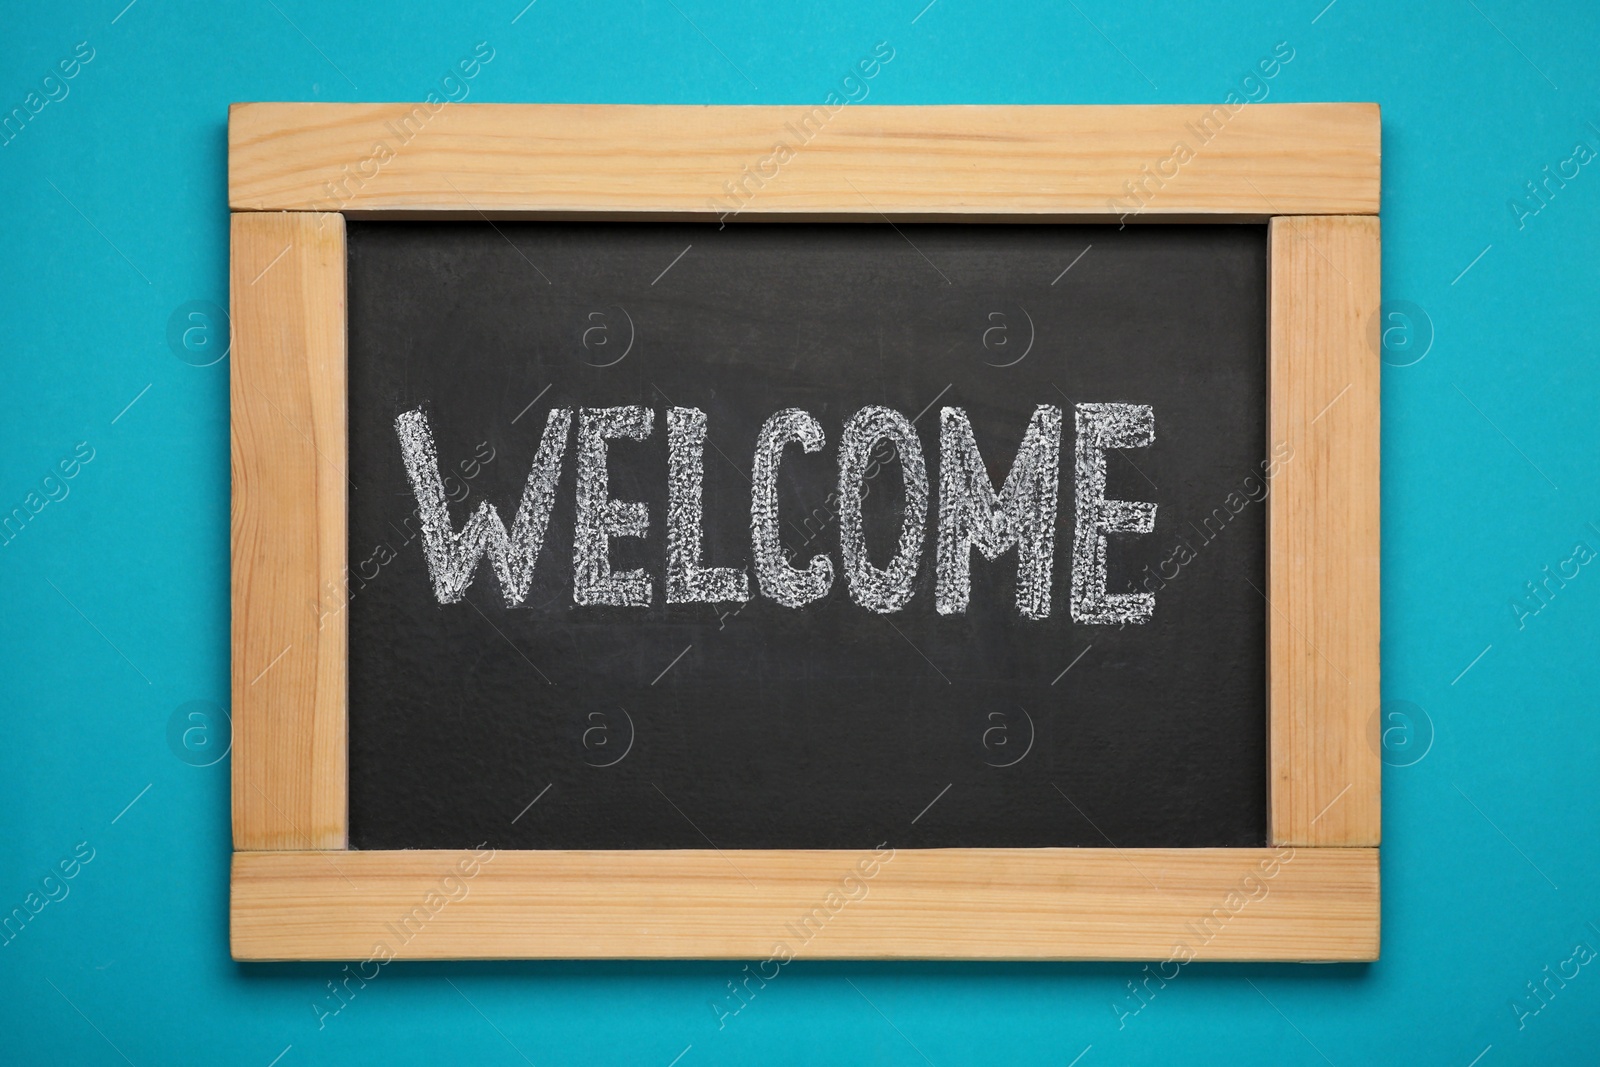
(1023, 515)
(453, 557)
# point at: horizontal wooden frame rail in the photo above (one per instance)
(958, 903)
(297, 893)
(1246, 163)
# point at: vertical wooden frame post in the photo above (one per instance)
(287, 392)
(1322, 531)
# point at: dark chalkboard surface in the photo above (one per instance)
(756, 724)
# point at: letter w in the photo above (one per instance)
(1024, 515)
(453, 557)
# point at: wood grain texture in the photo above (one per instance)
(534, 160)
(1322, 532)
(1315, 904)
(287, 391)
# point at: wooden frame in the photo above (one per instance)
(1311, 171)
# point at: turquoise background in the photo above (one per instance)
(116, 596)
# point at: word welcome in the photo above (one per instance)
(1021, 515)
(51, 889)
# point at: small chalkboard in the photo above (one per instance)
(740, 653)
(840, 531)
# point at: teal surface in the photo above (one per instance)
(114, 638)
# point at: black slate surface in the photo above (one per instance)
(830, 726)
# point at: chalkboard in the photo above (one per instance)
(1081, 688)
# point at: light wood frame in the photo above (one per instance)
(1310, 171)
